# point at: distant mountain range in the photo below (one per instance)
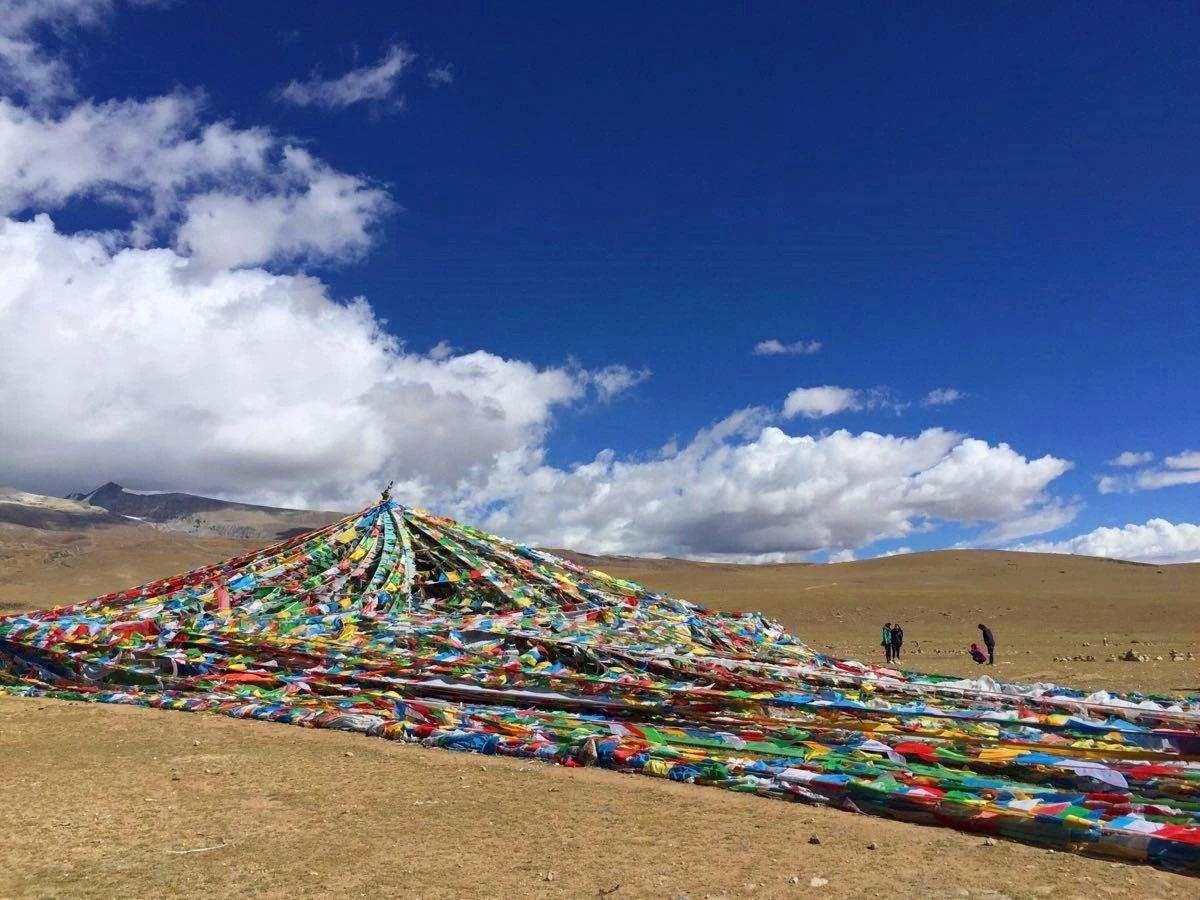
(169, 511)
(50, 513)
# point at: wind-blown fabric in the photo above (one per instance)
(407, 625)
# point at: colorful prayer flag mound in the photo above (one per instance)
(403, 624)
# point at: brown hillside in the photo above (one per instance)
(172, 804)
(1040, 606)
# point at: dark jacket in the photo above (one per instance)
(987, 636)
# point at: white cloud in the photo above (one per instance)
(776, 347)
(1161, 478)
(1182, 468)
(442, 350)
(616, 379)
(1130, 458)
(1049, 516)
(818, 402)
(25, 66)
(328, 216)
(942, 397)
(1188, 459)
(745, 490)
(375, 82)
(234, 196)
(1156, 541)
(829, 400)
(140, 153)
(130, 364)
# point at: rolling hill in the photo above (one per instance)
(1045, 609)
(192, 514)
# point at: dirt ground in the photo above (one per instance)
(105, 800)
(1040, 606)
(52, 568)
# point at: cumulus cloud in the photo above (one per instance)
(1182, 468)
(139, 153)
(131, 364)
(941, 397)
(818, 402)
(745, 490)
(326, 216)
(366, 83)
(776, 347)
(231, 196)
(1155, 541)
(829, 400)
(1130, 458)
(26, 68)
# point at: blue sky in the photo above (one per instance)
(1001, 202)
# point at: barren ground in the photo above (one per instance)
(103, 800)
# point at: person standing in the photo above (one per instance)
(990, 642)
(886, 640)
(897, 640)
